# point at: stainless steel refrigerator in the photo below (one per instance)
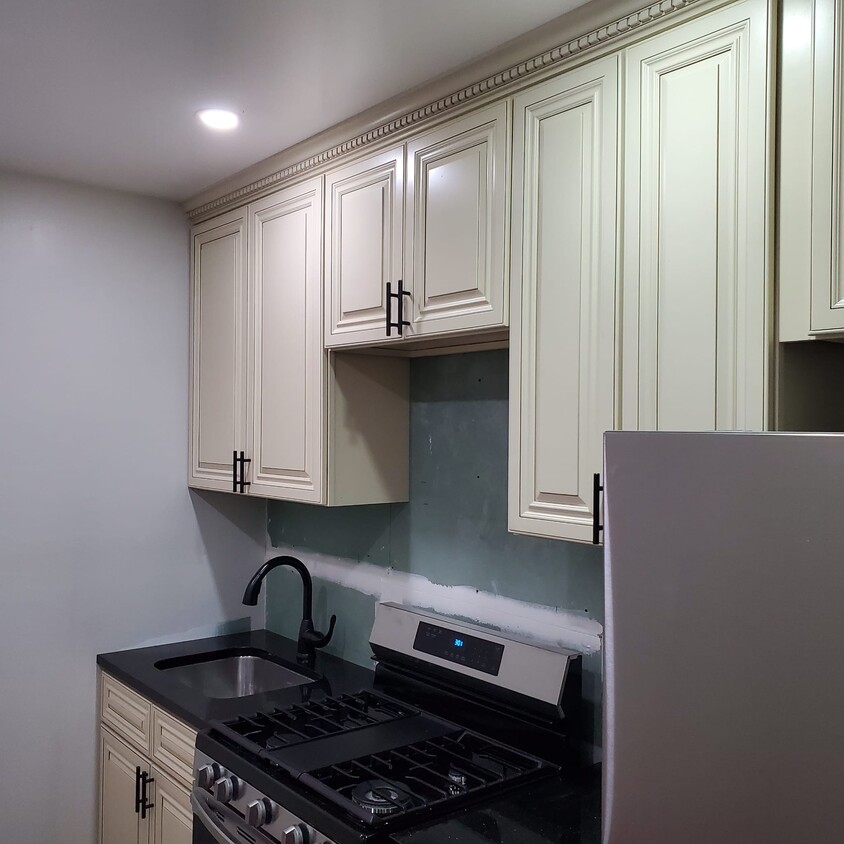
(724, 649)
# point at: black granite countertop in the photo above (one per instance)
(137, 669)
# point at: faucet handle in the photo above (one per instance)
(319, 640)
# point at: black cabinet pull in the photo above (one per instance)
(137, 789)
(597, 527)
(145, 805)
(243, 460)
(234, 471)
(401, 322)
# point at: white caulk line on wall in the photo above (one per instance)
(536, 621)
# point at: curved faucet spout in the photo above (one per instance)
(250, 595)
(309, 639)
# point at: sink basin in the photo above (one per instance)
(235, 672)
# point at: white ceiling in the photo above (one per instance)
(105, 91)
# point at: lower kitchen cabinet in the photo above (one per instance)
(172, 816)
(146, 752)
(120, 823)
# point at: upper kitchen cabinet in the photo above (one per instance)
(562, 337)
(219, 314)
(363, 247)
(811, 224)
(415, 238)
(696, 298)
(456, 225)
(287, 362)
(309, 426)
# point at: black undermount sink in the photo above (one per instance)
(235, 672)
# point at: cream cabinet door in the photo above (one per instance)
(288, 360)
(218, 349)
(696, 295)
(172, 815)
(565, 199)
(812, 170)
(363, 246)
(119, 822)
(456, 202)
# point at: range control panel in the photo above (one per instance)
(439, 641)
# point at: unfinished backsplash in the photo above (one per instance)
(448, 548)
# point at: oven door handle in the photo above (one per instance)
(216, 831)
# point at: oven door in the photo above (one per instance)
(214, 823)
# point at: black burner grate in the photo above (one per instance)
(417, 776)
(281, 728)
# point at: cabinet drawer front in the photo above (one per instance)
(173, 744)
(126, 712)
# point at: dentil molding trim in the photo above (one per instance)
(588, 41)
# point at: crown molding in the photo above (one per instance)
(590, 40)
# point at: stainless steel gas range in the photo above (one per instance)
(459, 716)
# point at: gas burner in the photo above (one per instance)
(456, 776)
(381, 798)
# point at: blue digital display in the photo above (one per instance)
(458, 643)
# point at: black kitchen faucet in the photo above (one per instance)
(309, 639)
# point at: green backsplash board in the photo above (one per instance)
(453, 531)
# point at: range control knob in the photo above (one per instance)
(227, 789)
(207, 775)
(259, 812)
(296, 835)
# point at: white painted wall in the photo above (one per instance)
(102, 546)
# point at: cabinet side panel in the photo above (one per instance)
(369, 429)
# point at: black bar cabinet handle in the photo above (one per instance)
(401, 322)
(234, 471)
(243, 460)
(137, 789)
(146, 780)
(597, 527)
(402, 294)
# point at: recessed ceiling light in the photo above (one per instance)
(218, 118)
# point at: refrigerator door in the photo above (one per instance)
(724, 660)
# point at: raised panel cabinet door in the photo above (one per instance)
(288, 360)
(363, 246)
(826, 39)
(172, 816)
(562, 373)
(119, 822)
(697, 294)
(455, 219)
(218, 349)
